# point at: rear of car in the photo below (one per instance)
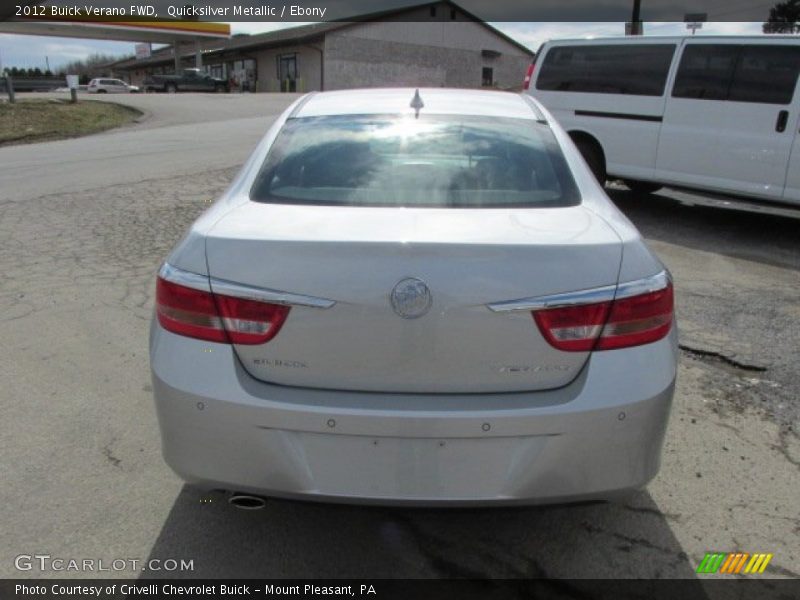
(414, 299)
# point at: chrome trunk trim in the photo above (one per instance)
(238, 290)
(590, 296)
(644, 286)
(184, 278)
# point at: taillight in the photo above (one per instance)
(197, 313)
(187, 311)
(250, 321)
(573, 328)
(624, 322)
(526, 83)
(638, 320)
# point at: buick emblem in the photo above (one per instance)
(411, 298)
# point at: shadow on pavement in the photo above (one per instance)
(756, 232)
(290, 539)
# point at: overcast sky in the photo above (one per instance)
(32, 51)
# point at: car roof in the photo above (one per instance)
(488, 103)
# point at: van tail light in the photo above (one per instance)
(526, 83)
(628, 320)
(190, 309)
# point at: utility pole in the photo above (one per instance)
(636, 23)
(9, 84)
(10, 87)
(47, 62)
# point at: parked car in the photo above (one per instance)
(414, 298)
(189, 80)
(111, 86)
(715, 114)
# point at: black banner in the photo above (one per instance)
(402, 10)
(388, 589)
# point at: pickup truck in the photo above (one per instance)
(188, 80)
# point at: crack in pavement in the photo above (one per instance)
(435, 550)
(109, 454)
(702, 353)
(637, 542)
(539, 582)
(783, 445)
(653, 511)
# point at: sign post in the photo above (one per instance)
(694, 21)
(72, 84)
(143, 51)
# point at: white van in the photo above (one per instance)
(716, 114)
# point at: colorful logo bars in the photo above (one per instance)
(734, 563)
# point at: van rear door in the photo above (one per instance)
(727, 124)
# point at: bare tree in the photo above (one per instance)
(90, 66)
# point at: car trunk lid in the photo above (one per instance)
(467, 258)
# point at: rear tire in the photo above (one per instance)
(170, 88)
(642, 187)
(594, 158)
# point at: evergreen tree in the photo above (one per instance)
(784, 17)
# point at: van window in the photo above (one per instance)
(766, 74)
(758, 73)
(635, 69)
(705, 71)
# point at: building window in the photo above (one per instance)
(487, 77)
(433, 11)
(452, 14)
(243, 75)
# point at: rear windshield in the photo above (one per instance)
(430, 161)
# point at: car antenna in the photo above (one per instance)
(416, 103)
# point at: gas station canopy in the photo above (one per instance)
(163, 32)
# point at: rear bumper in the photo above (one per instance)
(600, 435)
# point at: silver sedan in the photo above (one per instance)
(414, 296)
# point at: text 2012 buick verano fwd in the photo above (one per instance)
(414, 297)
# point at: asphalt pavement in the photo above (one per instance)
(84, 224)
(178, 135)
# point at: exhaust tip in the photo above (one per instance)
(247, 501)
